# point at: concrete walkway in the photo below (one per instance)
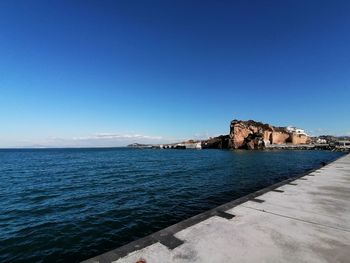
(305, 220)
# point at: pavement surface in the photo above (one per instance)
(302, 220)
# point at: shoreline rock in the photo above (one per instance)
(257, 135)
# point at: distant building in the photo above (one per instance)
(295, 130)
(321, 141)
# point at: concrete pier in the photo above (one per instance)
(306, 219)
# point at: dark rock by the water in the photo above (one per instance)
(220, 142)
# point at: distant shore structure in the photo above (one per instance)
(184, 145)
(254, 135)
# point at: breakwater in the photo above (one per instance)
(300, 219)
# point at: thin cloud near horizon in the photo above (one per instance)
(118, 136)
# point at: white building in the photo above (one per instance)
(321, 141)
(292, 129)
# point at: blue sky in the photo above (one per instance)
(107, 73)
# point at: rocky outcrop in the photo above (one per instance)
(299, 139)
(279, 137)
(257, 135)
(220, 142)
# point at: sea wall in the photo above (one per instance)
(273, 217)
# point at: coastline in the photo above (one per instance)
(166, 236)
(182, 146)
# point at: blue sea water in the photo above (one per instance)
(66, 205)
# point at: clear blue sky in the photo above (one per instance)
(110, 72)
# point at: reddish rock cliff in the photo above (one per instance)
(300, 139)
(256, 135)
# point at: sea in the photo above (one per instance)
(67, 205)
